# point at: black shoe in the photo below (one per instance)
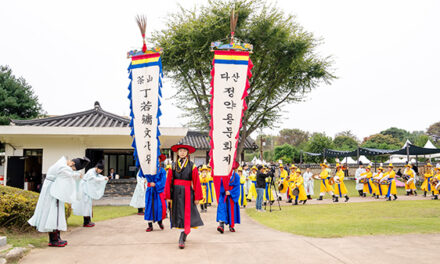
(279, 198)
(424, 194)
(364, 195)
(221, 228)
(435, 197)
(395, 197)
(304, 202)
(320, 198)
(59, 237)
(377, 196)
(347, 198)
(389, 198)
(231, 229)
(53, 240)
(407, 193)
(336, 199)
(289, 201)
(182, 240)
(296, 202)
(415, 193)
(160, 224)
(150, 227)
(249, 200)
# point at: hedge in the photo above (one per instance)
(17, 207)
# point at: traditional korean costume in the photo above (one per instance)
(155, 206)
(228, 210)
(60, 186)
(138, 198)
(91, 187)
(183, 188)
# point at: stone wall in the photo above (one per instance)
(120, 187)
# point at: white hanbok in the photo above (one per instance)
(357, 176)
(138, 199)
(309, 183)
(91, 187)
(60, 186)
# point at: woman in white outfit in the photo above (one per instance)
(309, 183)
(138, 199)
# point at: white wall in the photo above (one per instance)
(55, 147)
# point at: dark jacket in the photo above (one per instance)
(261, 180)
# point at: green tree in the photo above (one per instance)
(380, 141)
(316, 144)
(295, 137)
(286, 64)
(17, 99)
(287, 153)
(400, 134)
(434, 132)
(343, 142)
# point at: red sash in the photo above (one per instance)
(187, 219)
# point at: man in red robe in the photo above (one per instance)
(183, 192)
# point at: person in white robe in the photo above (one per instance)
(309, 183)
(91, 187)
(357, 176)
(138, 198)
(60, 186)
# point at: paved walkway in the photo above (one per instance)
(124, 240)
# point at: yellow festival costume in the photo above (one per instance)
(268, 192)
(283, 179)
(437, 176)
(325, 186)
(298, 181)
(426, 185)
(409, 171)
(369, 186)
(340, 188)
(288, 182)
(381, 189)
(204, 182)
(253, 178)
(242, 201)
(391, 187)
(211, 189)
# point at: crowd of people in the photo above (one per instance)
(177, 189)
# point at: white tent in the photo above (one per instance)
(364, 159)
(431, 146)
(348, 160)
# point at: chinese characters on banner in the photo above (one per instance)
(145, 91)
(229, 89)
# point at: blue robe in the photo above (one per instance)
(155, 206)
(224, 211)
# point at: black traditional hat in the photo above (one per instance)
(81, 163)
(100, 165)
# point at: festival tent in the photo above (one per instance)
(348, 160)
(364, 159)
(429, 145)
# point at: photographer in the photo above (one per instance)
(261, 186)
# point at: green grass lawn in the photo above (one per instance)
(353, 219)
(351, 188)
(37, 239)
(101, 213)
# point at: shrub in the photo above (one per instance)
(17, 207)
